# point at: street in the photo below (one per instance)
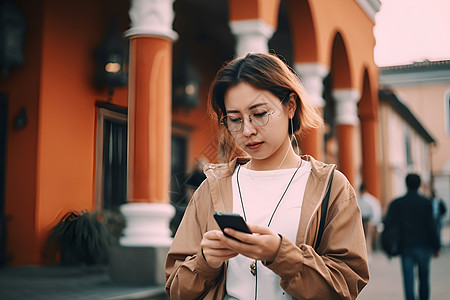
(17, 283)
(386, 278)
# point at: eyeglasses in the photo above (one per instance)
(234, 122)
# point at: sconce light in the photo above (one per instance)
(185, 84)
(12, 36)
(111, 60)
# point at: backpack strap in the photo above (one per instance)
(323, 211)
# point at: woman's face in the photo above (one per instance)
(268, 141)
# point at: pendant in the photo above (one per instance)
(253, 268)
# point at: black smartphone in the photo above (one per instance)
(231, 220)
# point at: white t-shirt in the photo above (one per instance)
(261, 191)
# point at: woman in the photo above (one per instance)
(260, 103)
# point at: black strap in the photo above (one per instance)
(323, 212)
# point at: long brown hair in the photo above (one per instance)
(265, 72)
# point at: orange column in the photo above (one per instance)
(346, 136)
(149, 119)
(371, 168)
(346, 118)
(312, 143)
(148, 210)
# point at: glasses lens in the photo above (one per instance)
(233, 123)
(260, 118)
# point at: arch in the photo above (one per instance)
(367, 106)
(303, 31)
(345, 97)
(281, 41)
(340, 65)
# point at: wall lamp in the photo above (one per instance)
(111, 60)
(12, 36)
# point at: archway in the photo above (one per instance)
(345, 99)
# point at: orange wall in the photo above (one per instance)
(22, 88)
(50, 163)
(347, 18)
(66, 141)
(303, 31)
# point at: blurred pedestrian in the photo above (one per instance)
(418, 238)
(371, 214)
(439, 211)
(366, 215)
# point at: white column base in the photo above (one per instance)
(147, 224)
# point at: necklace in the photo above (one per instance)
(253, 269)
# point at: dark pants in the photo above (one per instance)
(421, 257)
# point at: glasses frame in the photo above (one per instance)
(224, 122)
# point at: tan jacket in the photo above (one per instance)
(338, 270)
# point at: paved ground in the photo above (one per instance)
(90, 284)
(55, 283)
(386, 278)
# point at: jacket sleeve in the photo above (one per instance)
(339, 269)
(188, 275)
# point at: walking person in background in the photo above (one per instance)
(366, 216)
(371, 214)
(419, 239)
(259, 104)
(439, 210)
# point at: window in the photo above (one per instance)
(111, 158)
(447, 111)
(409, 161)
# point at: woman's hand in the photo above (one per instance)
(262, 245)
(215, 250)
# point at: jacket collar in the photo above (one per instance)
(224, 169)
(318, 168)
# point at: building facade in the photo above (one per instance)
(425, 88)
(406, 148)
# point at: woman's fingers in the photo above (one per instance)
(263, 244)
(213, 235)
(214, 249)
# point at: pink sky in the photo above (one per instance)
(412, 30)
